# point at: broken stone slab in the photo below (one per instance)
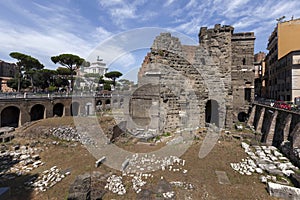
(245, 145)
(125, 164)
(263, 179)
(239, 127)
(100, 161)
(6, 129)
(283, 191)
(274, 171)
(222, 177)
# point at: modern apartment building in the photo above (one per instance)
(282, 68)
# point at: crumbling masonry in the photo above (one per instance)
(183, 86)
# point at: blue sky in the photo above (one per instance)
(44, 28)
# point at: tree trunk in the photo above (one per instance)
(19, 79)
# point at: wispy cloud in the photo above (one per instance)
(168, 2)
(46, 28)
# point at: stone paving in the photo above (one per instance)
(18, 160)
(275, 169)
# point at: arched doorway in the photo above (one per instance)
(107, 102)
(37, 112)
(74, 109)
(212, 112)
(242, 116)
(58, 109)
(99, 103)
(10, 116)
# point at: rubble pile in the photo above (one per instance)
(168, 195)
(69, 133)
(264, 159)
(137, 183)
(136, 169)
(18, 161)
(47, 179)
(184, 185)
(115, 185)
(152, 162)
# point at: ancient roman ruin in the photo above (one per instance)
(194, 85)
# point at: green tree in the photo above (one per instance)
(113, 75)
(25, 63)
(44, 78)
(61, 71)
(70, 61)
(16, 84)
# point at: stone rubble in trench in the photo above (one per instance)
(264, 159)
(71, 134)
(21, 160)
(47, 179)
(137, 170)
(17, 161)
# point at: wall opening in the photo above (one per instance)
(248, 94)
(99, 103)
(212, 112)
(242, 116)
(88, 108)
(10, 116)
(107, 101)
(74, 109)
(244, 61)
(58, 110)
(37, 112)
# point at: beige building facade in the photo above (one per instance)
(283, 61)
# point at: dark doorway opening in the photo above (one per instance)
(242, 116)
(37, 112)
(74, 109)
(10, 116)
(212, 112)
(58, 110)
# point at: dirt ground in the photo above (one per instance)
(201, 172)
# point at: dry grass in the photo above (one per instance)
(201, 172)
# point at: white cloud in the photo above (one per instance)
(168, 2)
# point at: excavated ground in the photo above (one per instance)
(73, 157)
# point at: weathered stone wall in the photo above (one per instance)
(242, 71)
(180, 86)
(212, 71)
(217, 42)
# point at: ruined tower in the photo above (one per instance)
(192, 85)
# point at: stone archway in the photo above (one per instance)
(10, 116)
(74, 109)
(242, 116)
(37, 112)
(58, 109)
(212, 112)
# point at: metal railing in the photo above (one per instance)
(30, 95)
